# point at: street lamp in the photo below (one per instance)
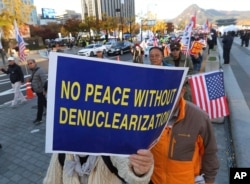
(141, 29)
(118, 10)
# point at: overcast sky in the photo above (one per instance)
(165, 9)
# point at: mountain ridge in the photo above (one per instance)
(202, 15)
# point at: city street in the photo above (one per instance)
(6, 92)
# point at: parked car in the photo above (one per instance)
(120, 48)
(109, 44)
(91, 50)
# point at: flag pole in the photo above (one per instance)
(26, 69)
(190, 33)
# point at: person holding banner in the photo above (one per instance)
(186, 152)
(136, 169)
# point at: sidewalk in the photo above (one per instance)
(22, 158)
(239, 110)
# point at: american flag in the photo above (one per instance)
(208, 93)
(21, 44)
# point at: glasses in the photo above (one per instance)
(174, 50)
(30, 63)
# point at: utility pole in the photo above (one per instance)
(141, 29)
(121, 4)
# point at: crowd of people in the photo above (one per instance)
(192, 159)
(179, 157)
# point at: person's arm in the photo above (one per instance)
(43, 76)
(210, 163)
(5, 71)
(137, 169)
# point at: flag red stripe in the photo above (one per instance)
(216, 107)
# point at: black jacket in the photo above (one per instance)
(227, 41)
(16, 73)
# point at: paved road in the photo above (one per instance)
(6, 92)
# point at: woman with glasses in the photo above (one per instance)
(156, 56)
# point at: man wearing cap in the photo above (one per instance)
(16, 78)
(177, 58)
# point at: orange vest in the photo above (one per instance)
(168, 170)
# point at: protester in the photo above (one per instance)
(16, 78)
(99, 54)
(187, 148)
(242, 37)
(135, 169)
(177, 58)
(210, 42)
(38, 80)
(165, 48)
(197, 60)
(156, 56)
(137, 53)
(247, 37)
(227, 45)
(143, 45)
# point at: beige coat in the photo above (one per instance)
(99, 175)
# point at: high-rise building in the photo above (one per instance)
(112, 8)
(33, 14)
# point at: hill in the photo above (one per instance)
(242, 17)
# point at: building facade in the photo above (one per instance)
(112, 8)
(226, 22)
(33, 15)
(68, 14)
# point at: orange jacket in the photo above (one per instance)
(187, 149)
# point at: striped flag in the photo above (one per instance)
(208, 93)
(21, 44)
(205, 27)
(194, 20)
(186, 38)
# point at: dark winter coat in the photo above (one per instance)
(16, 73)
